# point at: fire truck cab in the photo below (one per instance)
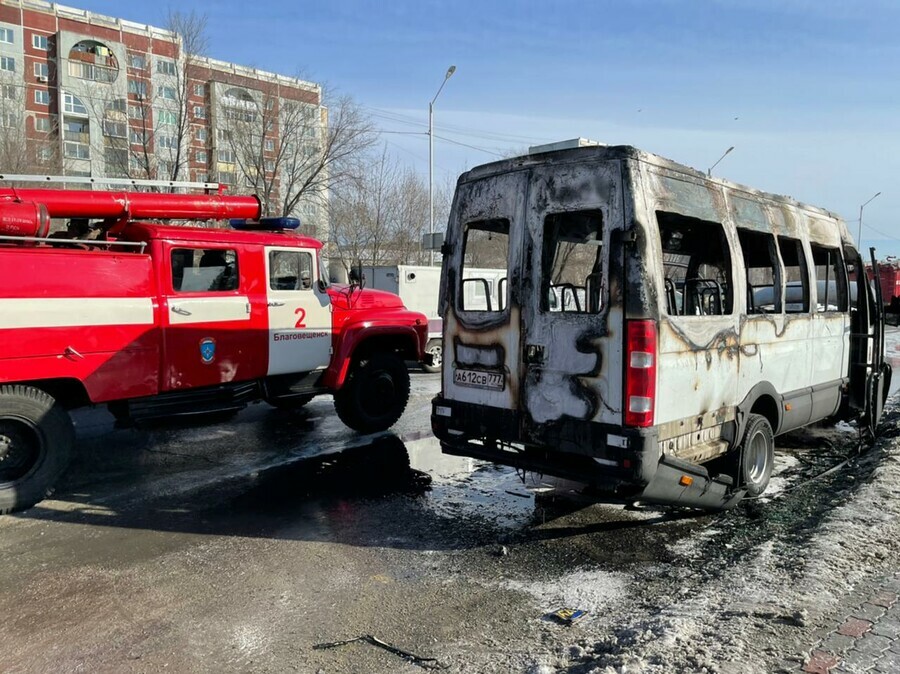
(159, 320)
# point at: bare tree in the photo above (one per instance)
(22, 152)
(380, 216)
(147, 134)
(293, 151)
(191, 28)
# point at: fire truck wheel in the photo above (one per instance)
(756, 455)
(436, 348)
(37, 439)
(374, 395)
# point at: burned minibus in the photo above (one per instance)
(656, 328)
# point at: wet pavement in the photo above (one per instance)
(242, 545)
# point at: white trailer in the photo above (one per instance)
(419, 288)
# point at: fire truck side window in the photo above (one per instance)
(204, 270)
(290, 270)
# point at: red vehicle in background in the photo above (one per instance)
(159, 320)
(889, 278)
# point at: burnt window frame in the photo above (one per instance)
(842, 286)
(484, 225)
(595, 301)
(235, 272)
(804, 275)
(777, 272)
(671, 219)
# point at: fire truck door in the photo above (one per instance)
(208, 328)
(299, 312)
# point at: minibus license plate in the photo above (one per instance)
(478, 379)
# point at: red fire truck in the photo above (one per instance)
(158, 320)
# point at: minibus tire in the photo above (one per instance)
(756, 455)
(37, 441)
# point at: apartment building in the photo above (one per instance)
(92, 95)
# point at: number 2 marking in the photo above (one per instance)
(301, 313)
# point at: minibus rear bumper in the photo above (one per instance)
(622, 464)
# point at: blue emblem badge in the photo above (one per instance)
(207, 350)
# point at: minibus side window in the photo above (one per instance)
(796, 280)
(763, 272)
(831, 281)
(486, 247)
(696, 266)
(572, 262)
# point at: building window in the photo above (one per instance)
(114, 129)
(227, 177)
(135, 112)
(73, 105)
(8, 91)
(8, 119)
(201, 135)
(167, 142)
(137, 88)
(223, 134)
(92, 60)
(200, 156)
(166, 117)
(136, 61)
(270, 145)
(199, 90)
(8, 63)
(42, 97)
(136, 137)
(201, 177)
(164, 67)
(270, 165)
(7, 36)
(45, 154)
(166, 92)
(42, 124)
(226, 156)
(77, 150)
(41, 71)
(199, 112)
(39, 42)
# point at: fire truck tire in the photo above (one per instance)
(756, 455)
(37, 440)
(436, 348)
(374, 395)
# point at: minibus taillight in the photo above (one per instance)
(640, 373)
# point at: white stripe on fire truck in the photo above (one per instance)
(70, 312)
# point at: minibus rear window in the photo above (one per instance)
(696, 266)
(483, 282)
(572, 262)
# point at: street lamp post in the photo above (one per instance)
(709, 170)
(450, 71)
(859, 233)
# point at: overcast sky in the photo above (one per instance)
(805, 90)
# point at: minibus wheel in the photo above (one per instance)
(756, 455)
